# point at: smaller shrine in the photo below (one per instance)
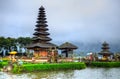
(67, 50)
(105, 52)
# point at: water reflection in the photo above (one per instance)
(88, 73)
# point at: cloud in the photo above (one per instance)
(68, 20)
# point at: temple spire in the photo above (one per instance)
(41, 34)
(41, 40)
(41, 6)
(105, 51)
(105, 47)
(41, 37)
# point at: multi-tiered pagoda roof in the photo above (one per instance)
(41, 37)
(105, 49)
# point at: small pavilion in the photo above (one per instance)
(67, 49)
(105, 52)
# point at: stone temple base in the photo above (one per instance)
(44, 59)
(40, 60)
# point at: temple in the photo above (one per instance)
(41, 40)
(67, 49)
(105, 52)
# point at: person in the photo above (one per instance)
(13, 58)
(33, 59)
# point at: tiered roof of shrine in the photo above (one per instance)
(105, 49)
(41, 37)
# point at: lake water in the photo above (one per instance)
(88, 73)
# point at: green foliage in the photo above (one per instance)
(105, 64)
(3, 63)
(24, 40)
(8, 43)
(54, 66)
(17, 69)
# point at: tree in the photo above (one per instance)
(24, 40)
(10, 44)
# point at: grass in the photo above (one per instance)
(3, 63)
(41, 67)
(105, 64)
(30, 67)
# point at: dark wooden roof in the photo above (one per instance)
(41, 33)
(41, 37)
(41, 45)
(67, 45)
(41, 24)
(105, 43)
(105, 53)
(105, 49)
(40, 28)
(41, 8)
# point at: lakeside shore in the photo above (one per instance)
(33, 67)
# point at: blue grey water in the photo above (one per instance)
(88, 73)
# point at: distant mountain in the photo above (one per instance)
(92, 47)
(96, 47)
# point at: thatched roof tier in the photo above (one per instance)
(40, 28)
(41, 33)
(42, 45)
(105, 53)
(43, 38)
(41, 25)
(40, 21)
(41, 8)
(105, 49)
(67, 45)
(39, 18)
(105, 45)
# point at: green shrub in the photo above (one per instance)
(54, 66)
(2, 64)
(17, 69)
(105, 64)
(5, 60)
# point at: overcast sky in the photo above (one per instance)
(68, 20)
